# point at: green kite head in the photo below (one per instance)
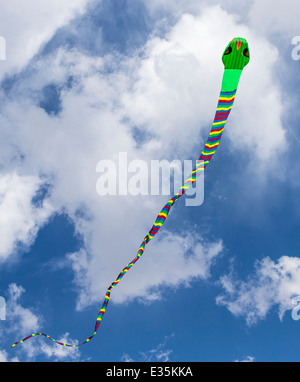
(236, 54)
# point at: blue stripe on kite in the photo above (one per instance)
(228, 93)
(224, 103)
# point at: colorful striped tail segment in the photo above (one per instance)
(224, 106)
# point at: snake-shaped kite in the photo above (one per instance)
(235, 58)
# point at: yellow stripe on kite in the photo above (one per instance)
(224, 108)
(219, 123)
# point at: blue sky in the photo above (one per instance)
(85, 80)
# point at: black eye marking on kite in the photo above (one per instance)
(228, 50)
(246, 52)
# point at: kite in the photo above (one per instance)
(235, 58)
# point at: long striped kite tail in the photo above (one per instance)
(235, 58)
(224, 106)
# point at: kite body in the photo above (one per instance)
(235, 58)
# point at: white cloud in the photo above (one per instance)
(174, 260)
(23, 320)
(19, 218)
(273, 284)
(27, 25)
(61, 352)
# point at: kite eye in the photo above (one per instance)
(246, 52)
(228, 50)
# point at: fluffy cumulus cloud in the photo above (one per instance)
(22, 319)
(61, 353)
(174, 260)
(169, 87)
(20, 218)
(26, 26)
(273, 284)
